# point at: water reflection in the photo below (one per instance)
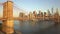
(29, 27)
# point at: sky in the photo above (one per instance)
(31, 5)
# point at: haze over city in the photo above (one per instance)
(31, 5)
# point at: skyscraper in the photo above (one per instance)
(21, 14)
(35, 13)
(52, 10)
(49, 14)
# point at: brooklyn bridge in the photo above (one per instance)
(8, 18)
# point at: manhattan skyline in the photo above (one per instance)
(31, 5)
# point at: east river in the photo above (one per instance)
(36, 27)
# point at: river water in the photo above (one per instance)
(32, 27)
(36, 27)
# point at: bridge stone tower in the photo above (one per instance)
(8, 25)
